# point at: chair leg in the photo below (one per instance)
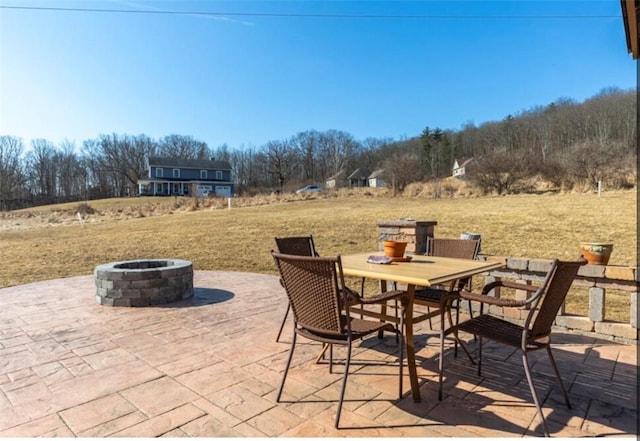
(344, 382)
(555, 369)
(331, 359)
(362, 295)
(475, 337)
(441, 361)
(456, 335)
(455, 332)
(395, 306)
(383, 311)
(479, 355)
(466, 351)
(527, 371)
(284, 319)
(402, 343)
(286, 369)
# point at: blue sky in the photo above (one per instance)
(244, 73)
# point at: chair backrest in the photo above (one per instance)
(313, 285)
(546, 302)
(458, 248)
(297, 245)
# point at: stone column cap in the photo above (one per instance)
(405, 222)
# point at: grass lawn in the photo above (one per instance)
(216, 238)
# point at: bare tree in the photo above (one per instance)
(336, 150)
(307, 145)
(402, 169)
(372, 154)
(280, 161)
(100, 178)
(183, 147)
(501, 172)
(220, 153)
(72, 174)
(41, 166)
(125, 156)
(12, 176)
(591, 161)
(246, 168)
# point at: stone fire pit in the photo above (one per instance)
(143, 282)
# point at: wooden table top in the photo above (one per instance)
(421, 270)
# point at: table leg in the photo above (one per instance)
(322, 352)
(408, 334)
(383, 307)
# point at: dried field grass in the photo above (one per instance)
(54, 242)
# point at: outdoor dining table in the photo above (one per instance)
(419, 271)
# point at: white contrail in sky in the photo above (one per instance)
(208, 16)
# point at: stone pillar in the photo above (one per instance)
(414, 232)
(634, 310)
(596, 304)
(522, 294)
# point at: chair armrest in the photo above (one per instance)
(508, 284)
(381, 297)
(483, 298)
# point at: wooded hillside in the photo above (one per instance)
(566, 143)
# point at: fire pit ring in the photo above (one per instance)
(143, 282)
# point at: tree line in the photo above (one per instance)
(566, 142)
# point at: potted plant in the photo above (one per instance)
(596, 253)
(394, 248)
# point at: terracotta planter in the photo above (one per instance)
(394, 248)
(596, 253)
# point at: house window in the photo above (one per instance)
(219, 175)
(176, 172)
(203, 174)
(159, 172)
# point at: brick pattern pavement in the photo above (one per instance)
(210, 367)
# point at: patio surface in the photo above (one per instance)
(210, 367)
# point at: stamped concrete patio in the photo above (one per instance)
(210, 367)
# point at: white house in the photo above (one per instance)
(460, 167)
(375, 179)
(336, 181)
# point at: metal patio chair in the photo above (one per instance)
(456, 248)
(320, 303)
(434, 296)
(298, 246)
(534, 334)
(301, 246)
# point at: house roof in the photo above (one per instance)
(202, 164)
(462, 162)
(360, 173)
(630, 12)
(376, 174)
(336, 176)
